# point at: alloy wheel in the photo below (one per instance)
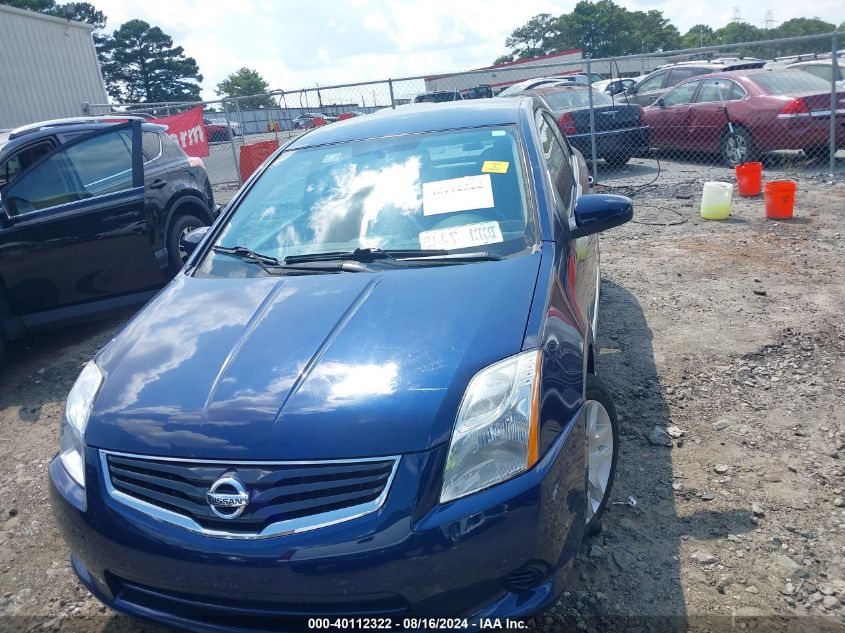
(736, 148)
(183, 254)
(600, 455)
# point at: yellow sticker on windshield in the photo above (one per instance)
(495, 167)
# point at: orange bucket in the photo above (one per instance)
(749, 179)
(780, 199)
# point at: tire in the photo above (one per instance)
(181, 225)
(617, 160)
(737, 147)
(602, 429)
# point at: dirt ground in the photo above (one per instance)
(728, 335)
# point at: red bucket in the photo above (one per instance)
(780, 199)
(749, 179)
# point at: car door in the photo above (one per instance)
(73, 229)
(669, 117)
(578, 266)
(707, 114)
(648, 90)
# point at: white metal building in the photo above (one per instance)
(48, 68)
(500, 76)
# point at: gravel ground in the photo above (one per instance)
(724, 344)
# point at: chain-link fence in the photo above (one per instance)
(635, 119)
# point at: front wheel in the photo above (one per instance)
(182, 225)
(602, 430)
(737, 147)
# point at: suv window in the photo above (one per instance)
(22, 160)
(652, 83)
(93, 167)
(819, 70)
(558, 159)
(677, 75)
(681, 95)
(151, 144)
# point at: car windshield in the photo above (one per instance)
(458, 191)
(576, 98)
(784, 82)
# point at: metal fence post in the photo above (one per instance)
(390, 87)
(592, 124)
(232, 142)
(240, 119)
(833, 75)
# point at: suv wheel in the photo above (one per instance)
(602, 431)
(182, 225)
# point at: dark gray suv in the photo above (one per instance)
(656, 84)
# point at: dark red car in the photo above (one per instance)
(768, 111)
(215, 131)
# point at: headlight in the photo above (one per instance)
(496, 432)
(77, 409)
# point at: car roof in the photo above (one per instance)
(34, 131)
(416, 118)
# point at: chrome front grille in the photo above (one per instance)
(284, 497)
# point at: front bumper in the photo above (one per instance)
(502, 552)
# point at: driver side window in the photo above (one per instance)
(652, 83)
(93, 167)
(559, 162)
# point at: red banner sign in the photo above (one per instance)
(188, 130)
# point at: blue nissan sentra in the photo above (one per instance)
(369, 393)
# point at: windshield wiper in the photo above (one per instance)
(367, 255)
(243, 252)
(270, 263)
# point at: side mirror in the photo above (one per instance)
(632, 89)
(596, 212)
(660, 103)
(190, 241)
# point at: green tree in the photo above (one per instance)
(798, 27)
(140, 64)
(601, 29)
(535, 37)
(76, 11)
(244, 82)
(503, 59)
(698, 36)
(40, 6)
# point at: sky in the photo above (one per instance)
(296, 44)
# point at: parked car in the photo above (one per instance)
(823, 69)
(234, 126)
(620, 132)
(398, 415)
(743, 114)
(309, 120)
(481, 91)
(91, 215)
(538, 82)
(438, 96)
(658, 83)
(615, 86)
(215, 132)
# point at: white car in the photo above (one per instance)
(530, 84)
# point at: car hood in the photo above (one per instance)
(308, 367)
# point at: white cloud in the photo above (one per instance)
(294, 45)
